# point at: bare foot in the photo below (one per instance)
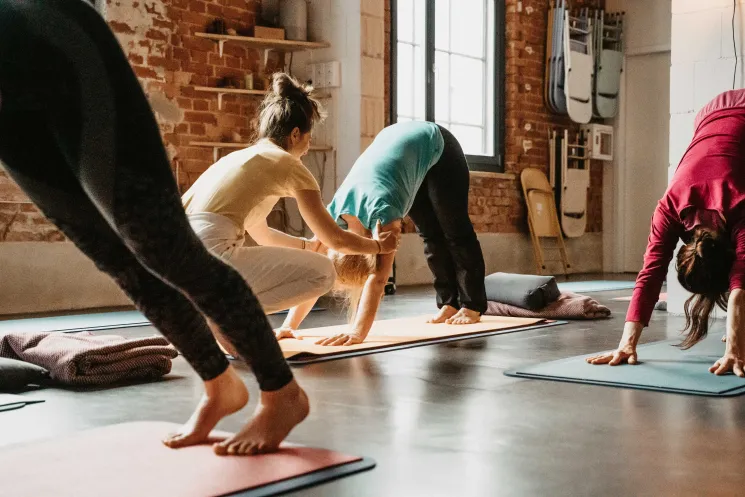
(275, 416)
(223, 396)
(446, 312)
(464, 316)
(724, 337)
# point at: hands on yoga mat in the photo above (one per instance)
(732, 361)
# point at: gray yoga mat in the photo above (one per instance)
(662, 367)
(10, 402)
(595, 286)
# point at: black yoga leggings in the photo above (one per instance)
(440, 213)
(78, 136)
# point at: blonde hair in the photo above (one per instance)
(352, 272)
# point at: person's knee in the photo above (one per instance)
(325, 275)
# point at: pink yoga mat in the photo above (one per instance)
(128, 460)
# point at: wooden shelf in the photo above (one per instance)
(264, 44)
(216, 146)
(228, 91)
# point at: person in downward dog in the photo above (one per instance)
(704, 206)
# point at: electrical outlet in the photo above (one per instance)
(333, 74)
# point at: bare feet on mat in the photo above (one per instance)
(446, 312)
(275, 416)
(464, 316)
(223, 396)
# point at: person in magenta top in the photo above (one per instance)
(704, 206)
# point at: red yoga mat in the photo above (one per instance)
(128, 460)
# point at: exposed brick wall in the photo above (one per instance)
(524, 77)
(158, 38)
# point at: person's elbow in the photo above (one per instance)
(737, 296)
(377, 281)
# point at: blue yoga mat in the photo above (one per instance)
(595, 286)
(662, 367)
(73, 323)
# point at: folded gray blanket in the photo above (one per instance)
(567, 306)
(86, 359)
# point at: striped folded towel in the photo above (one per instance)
(567, 306)
(86, 359)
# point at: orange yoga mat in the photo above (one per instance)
(663, 298)
(394, 334)
(128, 460)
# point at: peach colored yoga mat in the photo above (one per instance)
(128, 460)
(394, 334)
(663, 298)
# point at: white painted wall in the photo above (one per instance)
(703, 64)
(637, 177)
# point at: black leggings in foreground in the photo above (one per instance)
(440, 213)
(78, 136)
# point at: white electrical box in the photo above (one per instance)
(326, 74)
(600, 140)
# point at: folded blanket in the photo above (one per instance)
(567, 306)
(85, 359)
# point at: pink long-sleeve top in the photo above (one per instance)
(708, 187)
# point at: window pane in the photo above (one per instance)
(405, 79)
(419, 91)
(405, 20)
(467, 90)
(442, 86)
(442, 24)
(467, 19)
(420, 22)
(470, 138)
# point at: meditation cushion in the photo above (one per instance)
(16, 375)
(526, 291)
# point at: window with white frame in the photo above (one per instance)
(448, 69)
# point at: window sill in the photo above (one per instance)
(487, 174)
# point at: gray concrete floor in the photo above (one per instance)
(447, 422)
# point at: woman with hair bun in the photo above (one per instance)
(236, 194)
(704, 206)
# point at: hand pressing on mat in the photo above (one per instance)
(626, 351)
(730, 362)
(341, 339)
(733, 359)
(284, 332)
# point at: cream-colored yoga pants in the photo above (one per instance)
(280, 277)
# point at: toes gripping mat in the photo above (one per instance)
(128, 460)
(662, 367)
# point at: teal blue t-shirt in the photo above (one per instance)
(384, 180)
